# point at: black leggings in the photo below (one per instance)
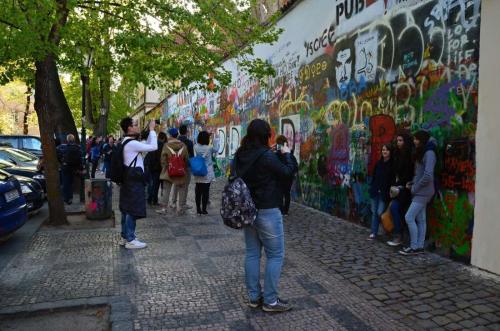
(94, 168)
(201, 191)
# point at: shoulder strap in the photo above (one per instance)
(171, 150)
(134, 161)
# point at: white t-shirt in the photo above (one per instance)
(134, 147)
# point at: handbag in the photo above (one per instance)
(386, 219)
(198, 166)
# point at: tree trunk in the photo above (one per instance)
(61, 114)
(45, 84)
(27, 110)
(105, 93)
(89, 106)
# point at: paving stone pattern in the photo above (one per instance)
(191, 278)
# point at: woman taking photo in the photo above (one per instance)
(383, 176)
(202, 188)
(262, 172)
(422, 191)
(404, 169)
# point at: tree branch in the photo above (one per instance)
(62, 12)
(99, 2)
(9, 24)
(102, 11)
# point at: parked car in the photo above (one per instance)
(13, 211)
(33, 193)
(31, 144)
(18, 157)
(30, 172)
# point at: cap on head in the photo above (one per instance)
(173, 132)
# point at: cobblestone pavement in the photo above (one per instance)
(191, 278)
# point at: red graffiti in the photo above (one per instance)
(459, 170)
(383, 129)
(338, 161)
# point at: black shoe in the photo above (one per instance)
(409, 251)
(420, 251)
(199, 212)
(280, 306)
(69, 202)
(204, 212)
(256, 303)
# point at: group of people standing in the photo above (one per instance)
(266, 172)
(175, 149)
(403, 184)
(100, 149)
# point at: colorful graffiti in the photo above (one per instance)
(345, 85)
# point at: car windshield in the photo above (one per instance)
(19, 155)
(4, 164)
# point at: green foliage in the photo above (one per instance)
(160, 43)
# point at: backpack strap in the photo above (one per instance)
(179, 152)
(171, 150)
(134, 161)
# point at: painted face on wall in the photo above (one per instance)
(343, 67)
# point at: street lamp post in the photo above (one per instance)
(87, 62)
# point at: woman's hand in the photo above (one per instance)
(285, 148)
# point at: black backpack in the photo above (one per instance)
(117, 168)
(72, 156)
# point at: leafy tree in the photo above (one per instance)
(156, 42)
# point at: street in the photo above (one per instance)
(191, 277)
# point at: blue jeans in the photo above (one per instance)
(415, 218)
(128, 227)
(267, 232)
(105, 168)
(396, 216)
(377, 209)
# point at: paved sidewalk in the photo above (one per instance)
(191, 277)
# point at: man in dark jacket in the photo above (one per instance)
(153, 163)
(70, 157)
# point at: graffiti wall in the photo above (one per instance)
(350, 74)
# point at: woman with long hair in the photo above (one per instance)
(202, 186)
(379, 189)
(422, 191)
(404, 169)
(262, 171)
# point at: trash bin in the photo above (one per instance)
(98, 199)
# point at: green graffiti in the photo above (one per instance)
(449, 222)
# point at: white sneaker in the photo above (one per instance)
(135, 244)
(173, 205)
(123, 242)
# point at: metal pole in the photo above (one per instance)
(83, 139)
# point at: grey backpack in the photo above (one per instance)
(237, 208)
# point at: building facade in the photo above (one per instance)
(349, 76)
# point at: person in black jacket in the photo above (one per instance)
(153, 163)
(404, 169)
(262, 171)
(70, 157)
(380, 186)
(286, 185)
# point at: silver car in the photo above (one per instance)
(18, 157)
